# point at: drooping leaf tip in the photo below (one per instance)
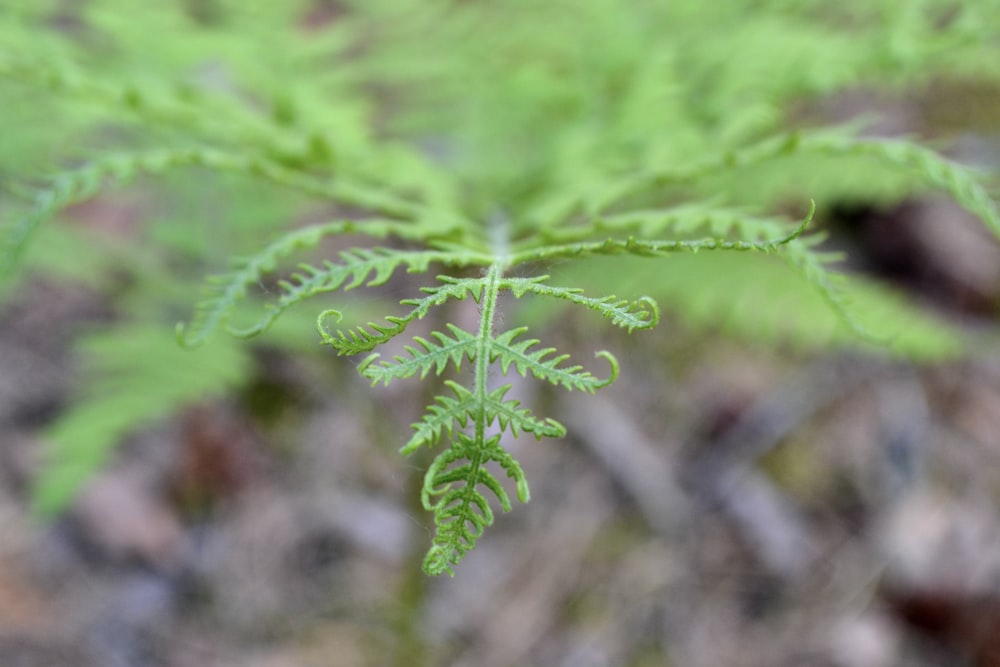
(801, 227)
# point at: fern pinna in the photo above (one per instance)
(470, 418)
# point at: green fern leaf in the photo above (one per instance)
(362, 266)
(511, 416)
(135, 375)
(962, 183)
(224, 292)
(362, 339)
(630, 315)
(508, 351)
(442, 417)
(84, 183)
(429, 356)
(512, 148)
(79, 185)
(697, 218)
(462, 512)
(642, 247)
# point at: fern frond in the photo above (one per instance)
(84, 183)
(340, 189)
(701, 218)
(927, 166)
(733, 231)
(509, 351)
(134, 375)
(644, 248)
(370, 336)
(225, 291)
(422, 360)
(79, 185)
(511, 148)
(462, 512)
(630, 315)
(62, 77)
(606, 198)
(362, 266)
(752, 234)
(216, 116)
(963, 183)
(273, 151)
(511, 416)
(442, 417)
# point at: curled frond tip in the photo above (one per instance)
(324, 333)
(613, 362)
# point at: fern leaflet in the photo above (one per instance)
(363, 266)
(361, 339)
(462, 513)
(427, 356)
(442, 417)
(224, 292)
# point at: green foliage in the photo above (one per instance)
(652, 143)
(123, 385)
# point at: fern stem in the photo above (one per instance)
(442, 555)
(487, 315)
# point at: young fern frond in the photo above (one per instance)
(507, 351)
(442, 417)
(422, 358)
(361, 339)
(629, 315)
(420, 127)
(462, 513)
(726, 230)
(363, 266)
(224, 292)
(468, 419)
(732, 229)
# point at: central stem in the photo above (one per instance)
(487, 315)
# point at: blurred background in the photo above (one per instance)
(757, 489)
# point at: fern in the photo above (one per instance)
(461, 514)
(361, 339)
(126, 386)
(491, 143)
(364, 266)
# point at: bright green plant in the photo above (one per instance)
(484, 142)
